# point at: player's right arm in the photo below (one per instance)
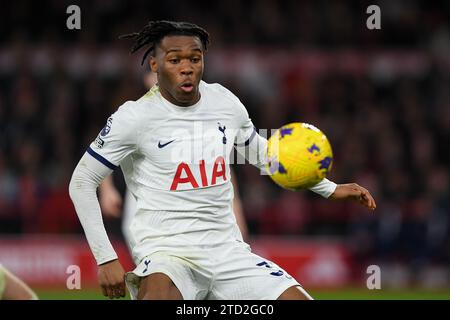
(116, 141)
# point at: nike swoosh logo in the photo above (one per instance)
(162, 145)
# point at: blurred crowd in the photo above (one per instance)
(382, 97)
(236, 22)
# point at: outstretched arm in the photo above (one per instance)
(254, 148)
(257, 149)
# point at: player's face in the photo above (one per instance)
(178, 63)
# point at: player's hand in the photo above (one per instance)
(354, 192)
(111, 278)
(110, 202)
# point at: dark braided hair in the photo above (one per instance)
(155, 31)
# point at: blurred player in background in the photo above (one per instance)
(187, 242)
(12, 288)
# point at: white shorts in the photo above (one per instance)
(224, 272)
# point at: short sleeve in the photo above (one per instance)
(117, 139)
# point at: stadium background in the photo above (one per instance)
(381, 96)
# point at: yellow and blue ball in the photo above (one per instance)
(300, 156)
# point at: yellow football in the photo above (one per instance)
(300, 156)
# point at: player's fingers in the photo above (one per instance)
(122, 289)
(369, 199)
(354, 192)
(120, 292)
(119, 289)
(372, 200)
(365, 201)
(110, 291)
(368, 202)
(103, 284)
(104, 291)
(361, 195)
(358, 195)
(115, 293)
(366, 197)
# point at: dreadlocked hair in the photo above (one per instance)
(155, 31)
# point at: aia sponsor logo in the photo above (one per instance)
(184, 175)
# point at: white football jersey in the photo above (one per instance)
(175, 162)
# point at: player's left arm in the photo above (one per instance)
(254, 148)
